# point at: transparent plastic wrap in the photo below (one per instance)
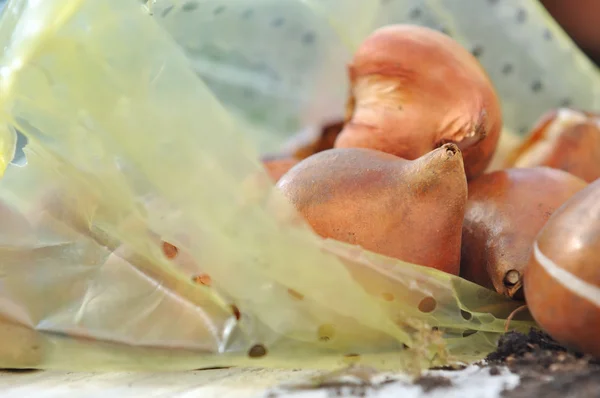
(281, 65)
(130, 152)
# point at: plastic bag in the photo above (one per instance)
(281, 65)
(130, 152)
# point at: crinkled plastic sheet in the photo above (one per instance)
(281, 64)
(129, 148)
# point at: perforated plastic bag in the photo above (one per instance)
(282, 64)
(129, 148)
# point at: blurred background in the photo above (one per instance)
(281, 83)
(581, 20)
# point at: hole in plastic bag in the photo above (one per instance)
(236, 312)
(388, 296)
(469, 332)
(477, 51)
(521, 15)
(427, 305)
(326, 332)
(466, 315)
(486, 318)
(507, 69)
(257, 351)
(189, 6)
(308, 38)
(415, 13)
(170, 251)
(296, 295)
(536, 86)
(202, 279)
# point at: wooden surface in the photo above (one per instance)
(217, 383)
(472, 382)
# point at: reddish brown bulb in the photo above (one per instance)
(562, 280)
(505, 211)
(410, 210)
(414, 89)
(564, 139)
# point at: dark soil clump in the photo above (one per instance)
(547, 369)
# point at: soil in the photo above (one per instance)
(546, 368)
